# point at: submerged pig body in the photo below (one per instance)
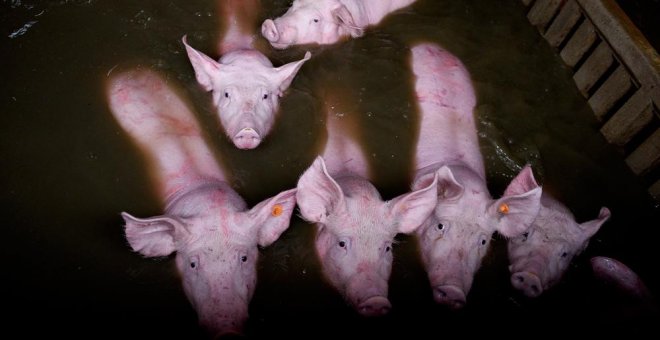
(207, 224)
(540, 257)
(455, 237)
(326, 21)
(245, 86)
(355, 226)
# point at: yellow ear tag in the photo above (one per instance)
(503, 209)
(277, 210)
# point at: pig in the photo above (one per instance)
(325, 22)
(355, 227)
(617, 274)
(540, 256)
(454, 239)
(244, 84)
(205, 222)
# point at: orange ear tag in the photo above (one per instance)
(277, 210)
(503, 209)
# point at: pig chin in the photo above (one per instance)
(224, 324)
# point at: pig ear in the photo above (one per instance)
(344, 19)
(515, 212)
(153, 236)
(523, 183)
(272, 216)
(411, 210)
(448, 187)
(591, 227)
(318, 194)
(205, 67)
(285, 73)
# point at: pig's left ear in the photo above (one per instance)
(272, 216)
(319, 195)
(345, 20)
(205, 67)
(517, 209)
(284, 74)
(590, 228)
(411, 210)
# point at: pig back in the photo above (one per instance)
(446, 102)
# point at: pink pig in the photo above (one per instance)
(541, 255)
(355, 227)
(326, 21)
(455, 238)
(208, 225)
(246, 87)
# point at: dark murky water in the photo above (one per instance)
(68, 170)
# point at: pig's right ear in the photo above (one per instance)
(318, 194)
(448, 187)
(344, 19)
(205, 67)
(152, 237)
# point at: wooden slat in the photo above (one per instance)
(654, 190)
(579, 44)
(562, 25)
(646, 156)
(593, 68)
(617, 85)
(542, 12)
(627, 41)
(629, 120)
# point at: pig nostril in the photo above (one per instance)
(520, 278)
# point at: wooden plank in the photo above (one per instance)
(526, 2)
(579, 44)
(593, 68)
(629, 119)
(654, 190)
(615, 87)
(646, 156)
(562, 25)
(627, 42)
(542, 12)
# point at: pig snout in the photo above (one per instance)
(449, 295)
(269, 31)
(247, 138)
(527, 282)
(374, 306)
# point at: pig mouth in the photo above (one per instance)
(247, 138)
(374, 306)
(449, 295)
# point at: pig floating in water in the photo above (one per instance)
(455, 238)
(355, 227)
(246, 87)
(208, 225)
(326, 21)
(540, 256)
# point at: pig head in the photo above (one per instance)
(245, 89)
(326, 21)
(356, 229)
(540, 256)
(455, 238)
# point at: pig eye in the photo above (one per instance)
(564, 254)
(193, 262)
(441, 226)
(243, 258)
(387, 249)
(342, 244)
(483, 242)
(226, 94)
(265, 96)
(316, 20)
(525, 235)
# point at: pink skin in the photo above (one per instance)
(237, 19)
(540, 256)
(326, 21)
(455, 238)
(619, 275)
(355, 227)
(205, 221)
(246, 89)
